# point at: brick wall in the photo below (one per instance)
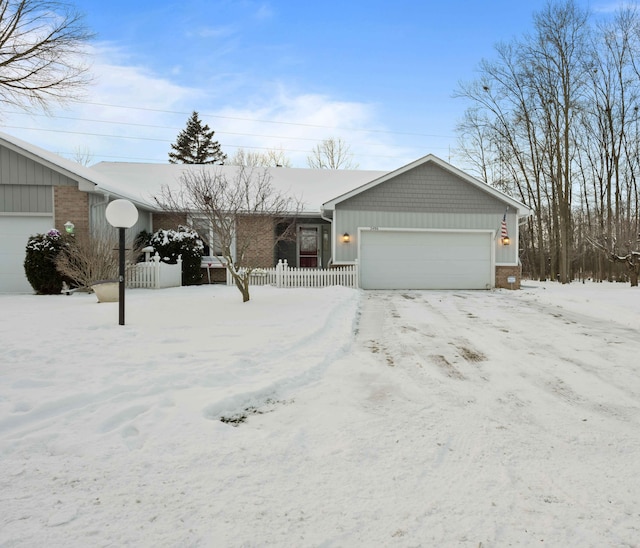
(503, 273)
(168, 221)
(71, 204)
(218, 275)
(259, 232)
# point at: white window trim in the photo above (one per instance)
(211, 261)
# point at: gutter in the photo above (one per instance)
(330, 221)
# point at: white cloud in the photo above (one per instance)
(213, 32)
(264, 11)
(158, 108)
(297, 122)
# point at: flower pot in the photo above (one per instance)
(107, 291)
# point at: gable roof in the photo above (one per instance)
(521, 209)
(88, 179)
(141, 182)
(311, 186)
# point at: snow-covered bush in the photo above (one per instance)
(40, 262)
(170, 244)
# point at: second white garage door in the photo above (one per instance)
(14, 235)
(396, 259)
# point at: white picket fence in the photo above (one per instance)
(154, 274)
(284, 275)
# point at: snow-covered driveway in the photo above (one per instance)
(419, 418)
(522, 410)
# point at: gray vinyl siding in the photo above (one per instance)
(350, 220)
(427, 188)
(26, 199)
(16, 169)
(100, 225)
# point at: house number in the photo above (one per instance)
(373, 228)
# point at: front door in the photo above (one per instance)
(308, 245)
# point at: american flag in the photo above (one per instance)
(503, 227)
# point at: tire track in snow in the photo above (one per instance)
(508, 439)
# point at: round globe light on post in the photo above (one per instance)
(121, 214)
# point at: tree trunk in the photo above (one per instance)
(242, 283)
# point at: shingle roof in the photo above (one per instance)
(311, 186)
(141, 182)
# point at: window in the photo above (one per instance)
(211, 241)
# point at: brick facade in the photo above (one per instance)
(168, 221)
(218, 275)
(71, 204)
(503, 273)
(259, 232)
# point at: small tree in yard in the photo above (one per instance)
(222, 201)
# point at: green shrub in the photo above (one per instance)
(185, 241)
(40, 262)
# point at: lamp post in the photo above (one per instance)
(121, 214)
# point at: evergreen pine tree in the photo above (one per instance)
(195, 145)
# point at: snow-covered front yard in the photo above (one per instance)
(417, 418)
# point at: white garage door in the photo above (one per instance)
(425, 260)
(14, 234)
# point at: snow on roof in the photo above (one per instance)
(88, 179)
(47, 157)
(141, 182)
(311, 186)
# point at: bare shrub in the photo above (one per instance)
(87, 260)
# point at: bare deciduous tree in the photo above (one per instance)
(42, 51)
(247, 198)
(528, 103)
(557, 114)
(82, 155)
(251, 158)
(629, 257)
(331, 153)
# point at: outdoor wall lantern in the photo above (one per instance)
(346, 238)
(121, 214)
(69, 227)
(506, 240)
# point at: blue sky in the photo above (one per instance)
(279, 74)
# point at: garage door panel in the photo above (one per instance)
(425, 260)
(15, 232)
